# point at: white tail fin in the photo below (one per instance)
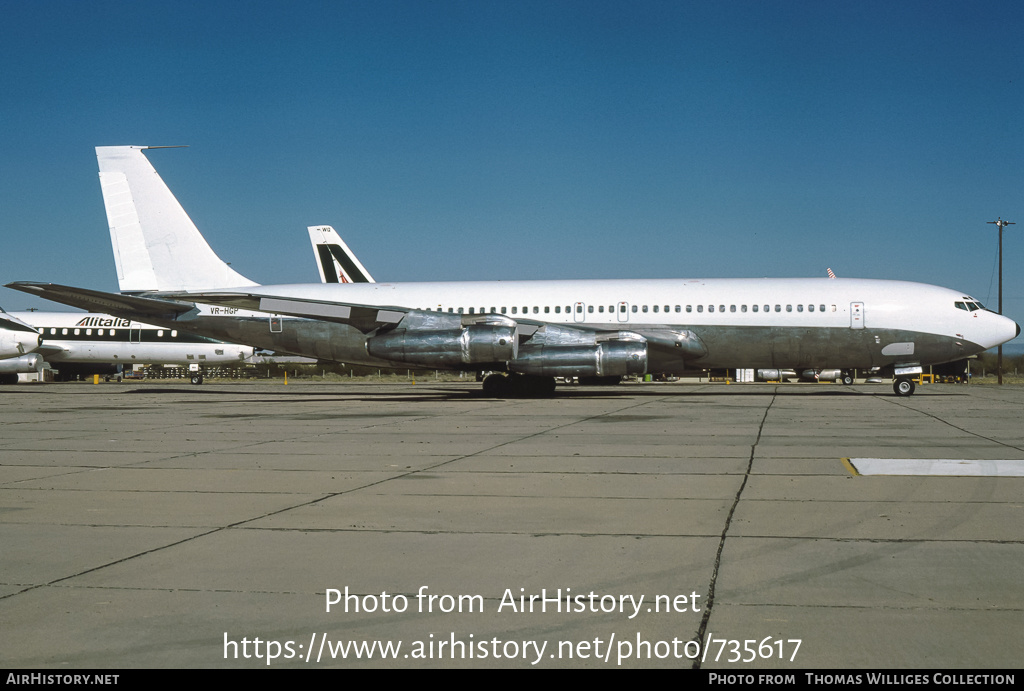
(336, 262)
(156, 245)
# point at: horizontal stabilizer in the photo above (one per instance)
(99, 301)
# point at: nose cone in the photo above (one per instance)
(1004, 329)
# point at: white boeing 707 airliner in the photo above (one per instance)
(530, 331)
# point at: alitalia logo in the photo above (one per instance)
(104, 321)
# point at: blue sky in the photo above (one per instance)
(518, 139)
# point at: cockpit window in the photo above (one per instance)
(961, 306)
(973, 306)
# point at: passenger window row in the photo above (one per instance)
(600, 309)
(109, 333)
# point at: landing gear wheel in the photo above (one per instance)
(903, 387)
(197, 379)
(847, 378)
(496, 384)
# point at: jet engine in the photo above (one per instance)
(454, 348)
(18, 342)
(821, 375)
(773, 374)
(25, 363)
(609, 358)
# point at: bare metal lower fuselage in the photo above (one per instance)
(727, 346)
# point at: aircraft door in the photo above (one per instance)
(579, 312)
(276, 324)
(856, 315)
(134, 333)
(622, 312)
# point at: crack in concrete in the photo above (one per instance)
(710, 602)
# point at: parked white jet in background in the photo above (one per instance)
(533, 330)
(78, 343)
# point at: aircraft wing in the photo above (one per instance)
(129, 306)
(366, 318)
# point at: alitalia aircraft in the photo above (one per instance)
(81, 343)
(528, 331)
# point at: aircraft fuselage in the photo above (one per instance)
(792, 323)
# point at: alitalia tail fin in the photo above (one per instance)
(336, 262)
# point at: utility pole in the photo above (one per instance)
(999, 358)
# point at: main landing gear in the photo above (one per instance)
(518, 385)
(903, 386)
